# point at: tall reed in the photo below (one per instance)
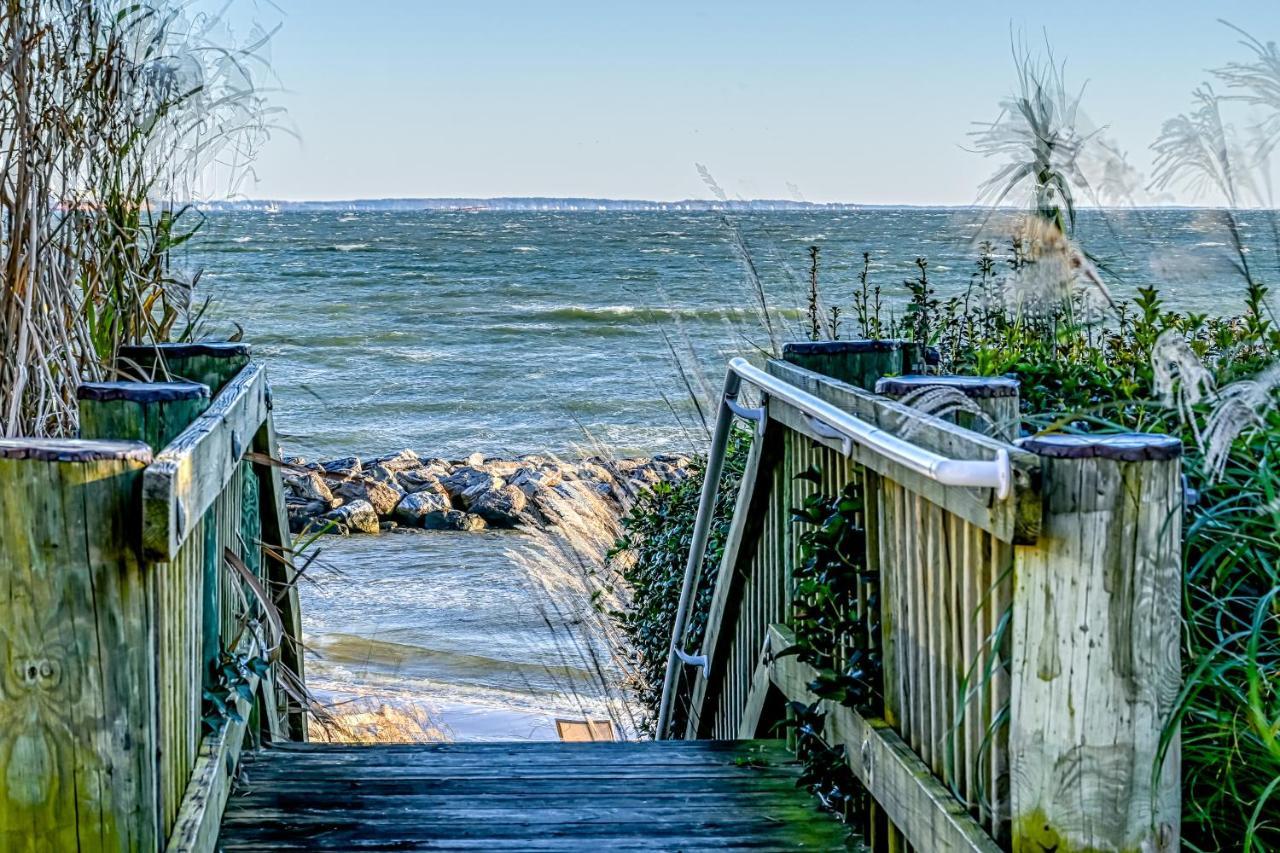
(110, 111)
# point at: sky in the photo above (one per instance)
(865, 102)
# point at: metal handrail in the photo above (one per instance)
(830, 422)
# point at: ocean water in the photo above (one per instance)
(510, 333)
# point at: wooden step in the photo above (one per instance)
(671, 795)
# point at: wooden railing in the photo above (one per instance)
(1029, 644)
(150, 570)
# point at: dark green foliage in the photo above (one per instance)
(813, 312)
(228, 681)
(826, 768)
(835, 603)
(834, 614)
(1078, 375)
(657, 534)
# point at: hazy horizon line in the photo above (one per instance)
(712, 203)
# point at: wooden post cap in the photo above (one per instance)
(855, 347)
(142, 392)
(1122, 447)
(974, 387)
(216, 349)
(73, 450)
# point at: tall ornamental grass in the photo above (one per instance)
(109, 111)
(1041, 308)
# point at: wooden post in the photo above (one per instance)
(77, 747)
(216, 364)
(152, 412)
(156, 413)
(212, 364)
(995, 396)
(859, 362)
(1096, 662)
(280, 576)
(862, 363)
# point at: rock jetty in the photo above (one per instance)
(404, 491)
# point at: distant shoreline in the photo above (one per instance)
(536, 204)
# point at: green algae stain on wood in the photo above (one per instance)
(74, 669)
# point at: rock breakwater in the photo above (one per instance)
(404, 491)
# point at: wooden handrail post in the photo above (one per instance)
(858, 362)
(155, 413)
(995, 396)
(213, 364)
(151, 412)
(1095, 649)
(77, 745)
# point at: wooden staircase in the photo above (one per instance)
(663, 795)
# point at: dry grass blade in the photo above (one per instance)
(109, 111)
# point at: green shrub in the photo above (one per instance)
(652, 552)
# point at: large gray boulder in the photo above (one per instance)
(532, 480)
(347, 466)
(402, 461)
(423, 480)
(466, 484)
(413, 508)
(452, 519)
(382, 474)
(358, 516)
(501, 507)
(380, 496)
(302, 513)
(308, 487)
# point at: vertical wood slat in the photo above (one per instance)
(181, 611)
(956, 586)
(941, 606)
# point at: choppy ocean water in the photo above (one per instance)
(511, 333)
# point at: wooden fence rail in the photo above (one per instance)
(1029, 645)
(138, 561)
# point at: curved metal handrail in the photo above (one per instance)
(831, 422)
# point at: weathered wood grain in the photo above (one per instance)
(278, 567)
(1096, 667)
(911, 796)
(674, 795)
(858, 362)
(187, 477)
(209, 363)
(137, 411)
(1014, 520)
(154, 414)
(198, 821)
(75, 684)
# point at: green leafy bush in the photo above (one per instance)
(657, 534)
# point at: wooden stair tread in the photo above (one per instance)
(672, 795)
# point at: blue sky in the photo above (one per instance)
(861, 102)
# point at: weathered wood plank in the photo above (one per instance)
(278, 567)
(568, 796)
(194, 469)
(749, 727)
(903, 786)
(1014, 520)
